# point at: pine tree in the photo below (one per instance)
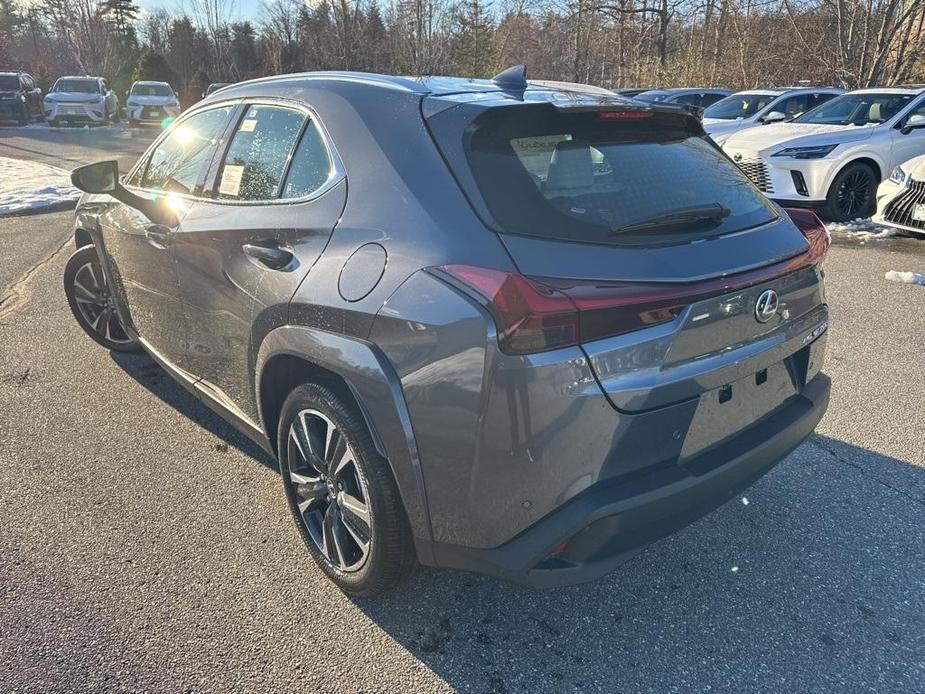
(472, 46)
(153, 66)
(121, 12)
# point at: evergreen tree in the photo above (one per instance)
(244, 60)
(472, 49)
(121, 13)
(154, 66)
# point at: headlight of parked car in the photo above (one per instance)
(899, 176)
(816, 152)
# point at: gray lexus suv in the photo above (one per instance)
(511, 328)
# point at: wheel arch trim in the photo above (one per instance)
(377, 390)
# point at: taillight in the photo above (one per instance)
(530, 317)
(814, 230)
(536, 314)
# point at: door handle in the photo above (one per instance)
(158, 235)
(272, 257)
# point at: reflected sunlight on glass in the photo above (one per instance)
(184, 135)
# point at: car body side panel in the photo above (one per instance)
(504, 440)
(373, 381)
(400, 195)
(232, 300)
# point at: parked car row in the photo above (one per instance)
(84, 99)
(845, 155)
(833, 156)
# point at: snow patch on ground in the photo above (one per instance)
(26, 186)
(861, 229)
(906, 277)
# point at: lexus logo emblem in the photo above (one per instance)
(736, 157)
(766, 306)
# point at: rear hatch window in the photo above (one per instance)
(606, 177)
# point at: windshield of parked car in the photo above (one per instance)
(857, 109)
(9, 82)
(585, 177)
(152, 90)
(81, 86)
(654, 96)
(738, 106)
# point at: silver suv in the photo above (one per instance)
(520, 330)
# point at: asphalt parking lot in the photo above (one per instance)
(146, 546)
(67, 148)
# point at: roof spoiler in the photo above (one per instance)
(512, 79)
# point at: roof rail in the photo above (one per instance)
(513, 78)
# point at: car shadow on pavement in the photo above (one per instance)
(149, 374)
(814, 582)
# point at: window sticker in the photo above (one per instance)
(231, 181)
(248, 125)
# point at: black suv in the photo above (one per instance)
(20, 99)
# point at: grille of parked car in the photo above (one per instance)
(902, 210)
(757, 171)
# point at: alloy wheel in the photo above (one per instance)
(330, 491)
(96, 304)
(854, 193)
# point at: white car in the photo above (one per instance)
(833, 157)
(901, 198)
(762, 107)
(80, 100)
(151, 102)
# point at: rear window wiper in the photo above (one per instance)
(714, 212)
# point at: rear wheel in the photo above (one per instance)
(92, 303)
(852, 194)
(342, 494)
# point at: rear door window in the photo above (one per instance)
(311, 165)
(259, 153)
(176, 163)
(581, 177)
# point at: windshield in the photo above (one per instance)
(81, 86)
(857, 109)
(583, 177)
(653, 96)
(152, 90)
(738, 106)
(9, 82)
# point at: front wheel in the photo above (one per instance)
(92, 303)
(852, 194)
(341, 493)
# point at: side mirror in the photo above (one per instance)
(126, 95)
(101, 177)
(914, 122)
(774, 117)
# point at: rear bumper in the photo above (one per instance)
(611, 521)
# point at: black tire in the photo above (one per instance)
(389, 555)
(90, 301)
(852, 195)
